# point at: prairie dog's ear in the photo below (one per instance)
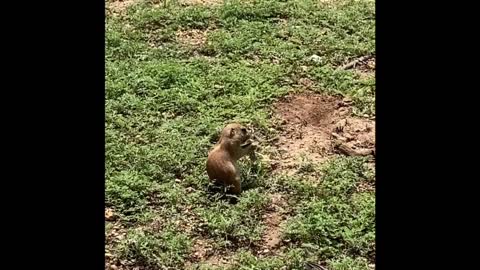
(232, 132)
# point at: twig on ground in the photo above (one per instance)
(356, 61)
(347, 150)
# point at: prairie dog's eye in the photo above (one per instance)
(244, 130)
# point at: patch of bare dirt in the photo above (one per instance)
(119, 6)
(273, 233)
(306, 83)
(112, 237)
(273, 218)
(212, 260)
(219, 260)
(202, 249)
(366, 69)
(365, 187)
(200, 2)
(192, 38)
(319, 126)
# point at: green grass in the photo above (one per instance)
(166, 102)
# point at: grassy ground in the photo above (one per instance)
(174, 76)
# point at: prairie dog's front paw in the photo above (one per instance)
(247, 144)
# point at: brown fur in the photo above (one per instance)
(234, 143)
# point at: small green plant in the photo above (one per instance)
(341, 220)
(155, 250)
(349, 263)
(306, 166)
(238, 223)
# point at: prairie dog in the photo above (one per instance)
(234, 143)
